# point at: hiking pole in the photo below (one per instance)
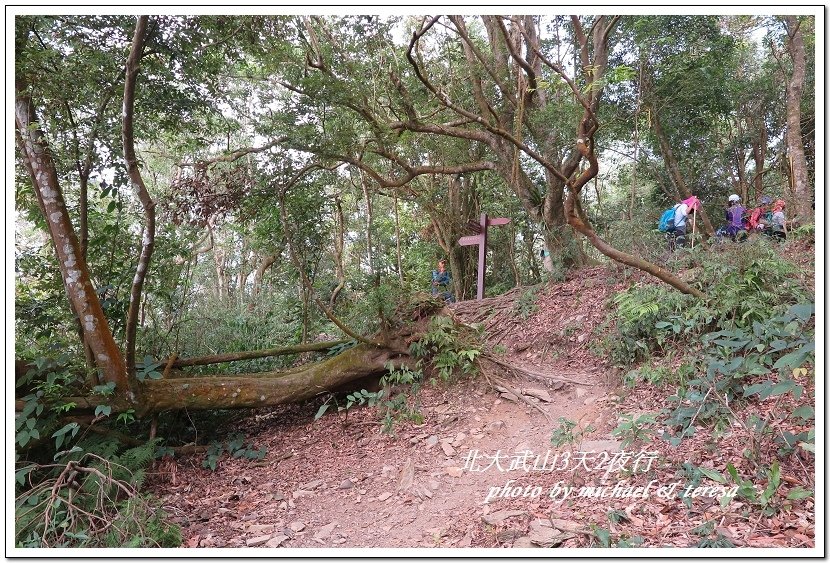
(694, 216)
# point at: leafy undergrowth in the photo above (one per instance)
(740, 431)
(723, 394)
(774, 473)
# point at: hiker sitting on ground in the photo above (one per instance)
(441, 282)
(681, 215)
(779, 221)
(734, 227)
(759, 218)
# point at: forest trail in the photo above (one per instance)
(348, 485)
(341, 482)
(217, 187)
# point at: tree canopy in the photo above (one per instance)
(203, 162)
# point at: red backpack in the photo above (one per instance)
(753, 219)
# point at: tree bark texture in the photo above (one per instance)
(38, 161)
(637, 110)
(795, 143)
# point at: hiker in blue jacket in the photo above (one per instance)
(441, 282)
(681, 213)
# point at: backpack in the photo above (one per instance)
(666, 222)
(756, 215)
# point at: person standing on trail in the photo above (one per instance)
(441, 282)
(682, 212)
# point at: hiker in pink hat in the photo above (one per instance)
(687, 207)
(779, 221)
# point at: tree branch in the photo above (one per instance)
(254, 354)
(148, 239)
(234, 155)
(445, 100)
(473, 52)
(304, 278)
(412, 172)
(531, 74)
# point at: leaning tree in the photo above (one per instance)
(114, 365)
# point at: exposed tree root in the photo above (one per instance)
(534, 374)
(503, 387)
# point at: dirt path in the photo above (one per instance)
(479, 470)
(340, 481)
(346, 484)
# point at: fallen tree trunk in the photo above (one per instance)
(252, 390)
(266, 389)
(254, 354)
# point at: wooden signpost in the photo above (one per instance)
(481, 240)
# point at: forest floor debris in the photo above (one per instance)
(465, 477)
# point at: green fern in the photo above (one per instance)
(130, 465)
(101, 445)
(631, 309)
(138, 457)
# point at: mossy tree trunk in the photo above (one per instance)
(266, 389)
